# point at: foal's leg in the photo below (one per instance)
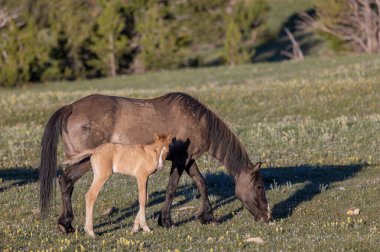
(205, 212)
(66, 182)
(164, 218)
(147, 193)
(140, 218)
(100, 177)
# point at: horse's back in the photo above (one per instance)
(98, 119)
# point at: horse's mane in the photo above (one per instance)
(223, 143)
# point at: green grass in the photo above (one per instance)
(315, 123)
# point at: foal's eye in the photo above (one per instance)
(258, 187)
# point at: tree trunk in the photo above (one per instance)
(112, 58)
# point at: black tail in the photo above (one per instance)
(48, 164)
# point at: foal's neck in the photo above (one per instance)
(154, 147)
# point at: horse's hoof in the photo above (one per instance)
(207, 218)
(66, 229)
(62, 229)
(164, 222)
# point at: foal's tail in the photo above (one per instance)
(48, 165)
(78, 158)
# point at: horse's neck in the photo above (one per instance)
(234, 159)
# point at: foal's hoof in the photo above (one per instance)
(146, 229)
(135, 229)
(66, 229)
(164, 222)
(90, 233)
(206, 218)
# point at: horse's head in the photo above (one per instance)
(250, 191)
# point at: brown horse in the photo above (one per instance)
(139, 161)
(98, 119)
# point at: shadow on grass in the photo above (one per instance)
(221, 185)
(316, 179)
(17, 176)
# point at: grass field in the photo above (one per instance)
(316, 124)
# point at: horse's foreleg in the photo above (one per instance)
(164, 218)
(205, 212)
(66, 182)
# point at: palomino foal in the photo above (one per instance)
(139, 161)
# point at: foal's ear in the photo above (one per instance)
(257, 166)
(169, 138)
(155, 136)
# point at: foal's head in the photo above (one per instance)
(161, 146)
(250, 190)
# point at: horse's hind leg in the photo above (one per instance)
(205, 212)
(66, 182)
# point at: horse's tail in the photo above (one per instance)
(48, 164)
(79, 158)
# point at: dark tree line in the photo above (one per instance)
(43, 40)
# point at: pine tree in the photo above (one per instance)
(108, 42)
(243, 18)
(70, 22)
(232, 44)
(158, 48)
(22, 53)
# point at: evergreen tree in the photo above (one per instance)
(157, 42)
(70, 22)
(108, 42)
(22, 53)
(234, 54)
(243, 19)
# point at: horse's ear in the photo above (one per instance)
(155, 136)
(257, 166)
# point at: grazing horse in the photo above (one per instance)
(137, 160)
(97, 119)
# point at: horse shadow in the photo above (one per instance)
(17, 176)
(315, 179)
(222, 187)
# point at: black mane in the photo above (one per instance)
(223, 143)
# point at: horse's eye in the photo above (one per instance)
(258, 187)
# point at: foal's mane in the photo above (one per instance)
(223, 143)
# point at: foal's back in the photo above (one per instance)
(123, 158)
